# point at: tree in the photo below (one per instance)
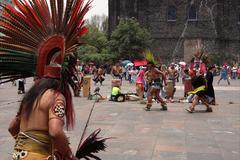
(95, 47)
(95, 38)
(129, 40)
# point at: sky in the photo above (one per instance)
(99, 7)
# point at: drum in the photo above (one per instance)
(120, 98)
(86, 86)
(169, 88)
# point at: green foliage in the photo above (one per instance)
(105, 26)
(86, 49)
(129, 40)
(95, 38)
(95, 47)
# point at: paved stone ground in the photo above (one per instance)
(154, 135)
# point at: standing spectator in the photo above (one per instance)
(224, 74)
(21, 88)
(238, 72)
(128, 75)
(133, 73)
(172, 76)
(234, 72)
(140, 83)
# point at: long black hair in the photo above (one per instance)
(35, 92)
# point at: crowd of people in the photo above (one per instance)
(158, 82)
(154, 83)
(40, 41)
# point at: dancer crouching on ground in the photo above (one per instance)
(199, 92)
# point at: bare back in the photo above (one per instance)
(39, 117)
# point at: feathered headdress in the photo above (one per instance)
(38, 38)
(150, 57)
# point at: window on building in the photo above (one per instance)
(192, 13)
(172, 13)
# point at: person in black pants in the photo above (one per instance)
(21, 88)
(210, 90)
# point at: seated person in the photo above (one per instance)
(116, 94)
(96, 95)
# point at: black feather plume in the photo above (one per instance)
(92, 144)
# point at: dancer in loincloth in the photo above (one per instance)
(156, 86)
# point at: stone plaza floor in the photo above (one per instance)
(141, 135)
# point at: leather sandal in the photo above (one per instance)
(190, 110)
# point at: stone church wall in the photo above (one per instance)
(217, 25)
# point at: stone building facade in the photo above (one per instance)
(180, 28)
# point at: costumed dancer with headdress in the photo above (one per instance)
(38, 39)
(154, 90)
(199, 93)
(156, 76)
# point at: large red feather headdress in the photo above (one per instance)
(37, 36)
